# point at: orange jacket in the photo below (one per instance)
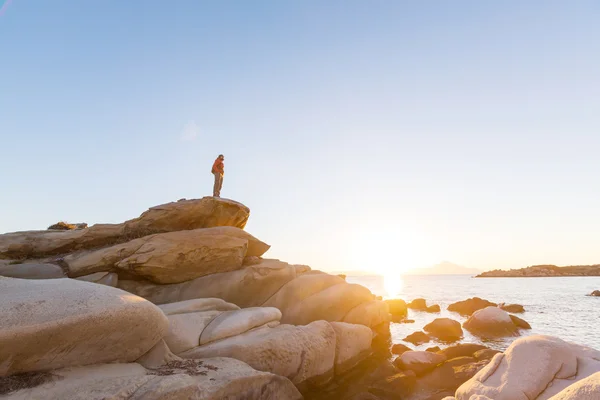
(218, 166)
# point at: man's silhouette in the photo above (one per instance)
(218, 171)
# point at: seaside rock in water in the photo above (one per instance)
(177, 216)
(595, 293)
(207, 379)
(445, 329)
(419, 361)
(521, 323)
(469, 306)
(400, 348)
(512, 308)
(417, 338)
(463, 350)
(491, 322)
(397, 307)
(55, 323)
(418, 304)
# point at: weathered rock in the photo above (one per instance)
(353, 344)
(397, 307)
(445, 329)
(373, 313)
(595, 293)
(251, 260)
(256, 247)
(485, 354)
(395, 386)
(521, 323)
(418, 304)
(185, 329)
(513, 308)
(585, 389)
(232, 323)
(469, 306)
(445, 379)
(433, 309)
(55, 323)
(182, 215)
(158, 356)
(101, 278)
(417, 338)
(32, 271)
(491, 322)
(533, 367)
(458, 361)
(301, 353)
(462, 350)
(400, 348)
(249, 287)
(433, 349)
(211, 379)
(164, 258)
(197, 305)
(419, 361)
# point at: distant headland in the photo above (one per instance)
(544, 271)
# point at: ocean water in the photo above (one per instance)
(553, 306)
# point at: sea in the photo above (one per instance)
(553, 306)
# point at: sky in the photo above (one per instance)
(372, 135)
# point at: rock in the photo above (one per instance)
(462, 350)
(400, 348)
(184, 215)
(353, 344)
(373, 313)
(419, 361)
(433, 349)
(256, 248)
(197, 305)
(301, 353)
(595, 293)
(445, 329)
(55, 323)
(458, 361)
(469, 306)
(418, 304)
(513, 308)
(585, 389)
(395, 386)
(232, 323)
(364, 396)
(164, 258)
(101, 278)
(491, 322)
(485, 354)
(211, 379)
(248, 287)
(433, 309)
(534, 367)
(521, 323)
(251, 260)
(32, 271)
(158, 356)
(417, 338)
(403, 321)
(397, 308)
(185, 329)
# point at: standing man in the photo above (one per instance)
(218, 171)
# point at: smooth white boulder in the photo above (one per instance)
(353, 344)
(101, 278)
(197, 305)
(32, 270)
(372, 314)
(585, 389)
(534, 367)
(300, 353)
(231, 323)
(55, 323)
(185, 329)
(491, 322)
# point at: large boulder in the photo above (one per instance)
(373, 313)
(32, 271)
(232, 323)
(469, 306)
(462, 350)
(445, 329)
(491, 322)
(418, 304)
(353, 344)
(185, 329)
(512, 308)
(256, 248)
(595, 293)
(533, 367)
(397, 307)
(56, 323)
(177, 216)
(417, 338)
(304, 354)
(419, 361)
(585, 389)
(101, 278)
(210, 379)
(519, 322)
(248, 287)
(164, 258)
(197, 305)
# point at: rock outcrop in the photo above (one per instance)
(32, 271)
(419, 361)
(445, 329)
(491, 322)
(469, 306)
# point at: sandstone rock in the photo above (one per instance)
(256, 248)
(211, 379)
(164, 258)
(232, 323)
(182, 215)
(373, 313)
(485, 354)
(301, 353)
(433, 309)
(462, 350)
(251, 260)
(32, 271)
(417, 338)
(469, 306)
(418, 304)
(419, 361)
(101, 278)
(400, 348)
(55, 323)
(585, 389)
(491, 322)
(513, 308)
(445, 329)
(185, 329)
(533, 367)
(395, 386)
(397, 307)
(353, 344)
(249, 287)
(197, 305)
(521, 323)
(433, 349)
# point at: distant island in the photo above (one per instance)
(544, 271)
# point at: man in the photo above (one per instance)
(218, 171)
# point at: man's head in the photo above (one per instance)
(221, 157)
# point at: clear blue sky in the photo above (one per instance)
(377, 135)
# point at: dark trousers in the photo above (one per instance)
(218, 184)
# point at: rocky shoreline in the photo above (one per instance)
(180, 304)
(539, 271)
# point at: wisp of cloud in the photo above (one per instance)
(4, 7)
